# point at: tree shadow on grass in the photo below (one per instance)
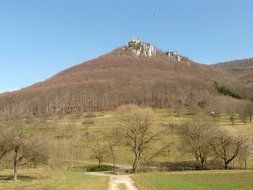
(20, 177)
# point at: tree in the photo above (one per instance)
(113, 141)
(249, 109)
(99, 151)
(113, 157)
(195, 140)
(232, 119)
(24, 150)
(227, 147)
(138, 131)
(27, 151)
(5, 141)
(222, 89)
(246, 111)
(36, 152)
(244, 155)
(244, 117)
(73, 144)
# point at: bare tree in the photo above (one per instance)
(195, 140)
(5, 141)
(249, 108)
(138, 130)
(244, 155)
(227, 147)
(245, 110)
(113, 157)
(232, 119)
(99, 151)
(25, 150)
(243, 115)
(73, 144)
(113, 140)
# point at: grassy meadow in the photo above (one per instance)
(48, 179)
(196, 180)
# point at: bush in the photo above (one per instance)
(93, 168)
(90, 115)
(88, 122)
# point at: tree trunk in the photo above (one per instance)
(114, 166)
(225, 165)
(202, 163)
(197, 164)
(136, 163)
(135, 166)
(114, 159)
(15, 176)
(99, 163)
(245, 164)
(70, 165)
(15, 165)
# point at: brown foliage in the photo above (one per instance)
(115, 79)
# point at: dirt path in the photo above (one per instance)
(117, 180)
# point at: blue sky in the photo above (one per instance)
(39, 38)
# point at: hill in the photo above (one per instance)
(235, 65)
(241, 70)
(137, 73)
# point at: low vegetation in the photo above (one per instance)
(196, 180)
(48, 179)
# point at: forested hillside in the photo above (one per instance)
(121, 77)
(241, 70)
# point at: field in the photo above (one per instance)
(56, 179)
(51, 179)
(196, 180)
(58, 132)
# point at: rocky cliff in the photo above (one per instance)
(139, 48)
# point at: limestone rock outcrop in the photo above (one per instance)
(174, 55)
(139, 48)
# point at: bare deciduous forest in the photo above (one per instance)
(120, 78)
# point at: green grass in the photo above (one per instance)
(51, 179)
(196, 180)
